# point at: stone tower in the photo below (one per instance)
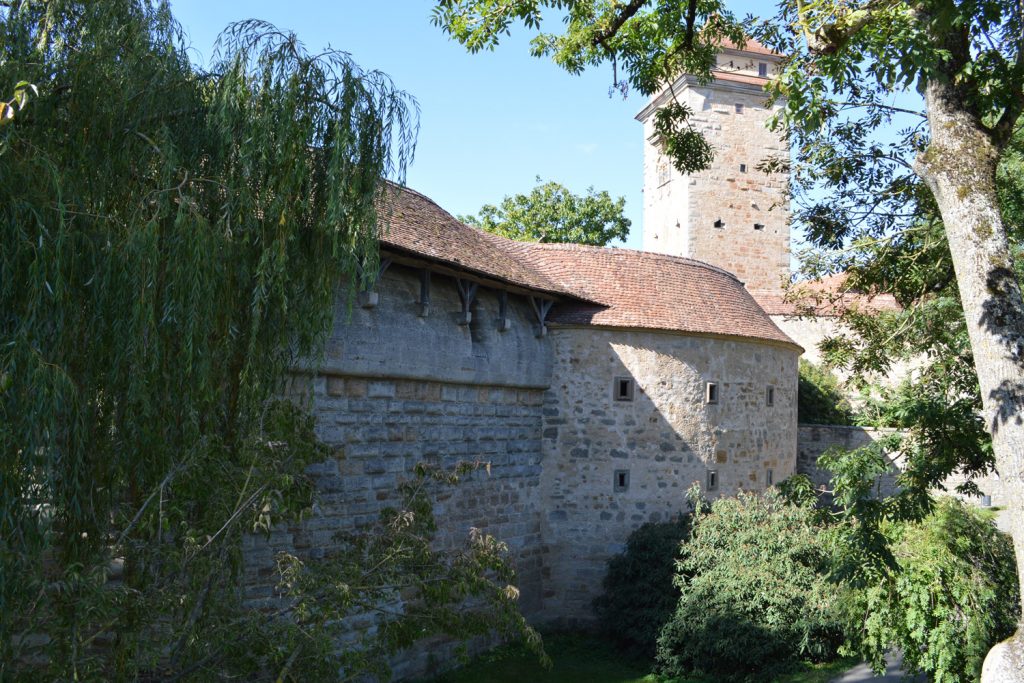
(731, 215)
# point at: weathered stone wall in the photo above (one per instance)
(680, 211)
(397, 388)
(381, 406)
(809, 332)
(393, 340)
(666, 438)
(813, 440)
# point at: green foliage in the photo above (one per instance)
(687, 148)
(15, 104)
(939, 583)
(951, 596)
(551, 213)
(820, 399)
(173, 242)
(638, 596)
(394, 572)
(754, 594)
(869, 214)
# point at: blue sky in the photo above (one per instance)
(490, 123)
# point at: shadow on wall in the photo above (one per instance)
(632, 420)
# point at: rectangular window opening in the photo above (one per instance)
(743, 168)
(624, 389)
(712, 480)
(758, 226)
(739, 108)
(711, 393)
(719, 223)
(620, 481)
(769, 396)
(769, 477)
(762, 69)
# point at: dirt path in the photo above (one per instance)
(893, 673)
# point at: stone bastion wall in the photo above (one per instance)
(612, 464)
(397, 387)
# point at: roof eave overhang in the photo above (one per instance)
(692, 82)
(414, 259)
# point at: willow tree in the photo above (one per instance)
(172, 240)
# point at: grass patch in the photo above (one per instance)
(575, 659)
(578, 658)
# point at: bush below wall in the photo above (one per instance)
(755, 598)
(639, 597)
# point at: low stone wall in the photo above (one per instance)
(814, 440)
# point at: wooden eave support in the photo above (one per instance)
(424, 302)
(467, 293)
(369, 298)
(541, 308)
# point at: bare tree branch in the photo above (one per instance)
(628, 11)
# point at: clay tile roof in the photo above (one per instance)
(598, 286)
(750, 45)
(828, 296)
(414, 223)
(650, 291)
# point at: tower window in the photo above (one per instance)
(769, 396)
(711, 393)
(712, 480)
(769, 477)
(739, 108)
(623, 390)
(743, 168)
(719, 223)
(758, 226)
(664, 175)
(620, 481)
(762, 69)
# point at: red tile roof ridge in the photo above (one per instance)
(649, 255)
(750, 45)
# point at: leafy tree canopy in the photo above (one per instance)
(551, 213)
(647, 44)
(172, 242)
(872, 200)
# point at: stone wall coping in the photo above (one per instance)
(327, 371)
(872, 430)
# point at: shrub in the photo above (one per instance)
(754, 594)
(639, 597)
(951, 597)
(820, 399)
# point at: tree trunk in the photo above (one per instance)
(960, 167)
